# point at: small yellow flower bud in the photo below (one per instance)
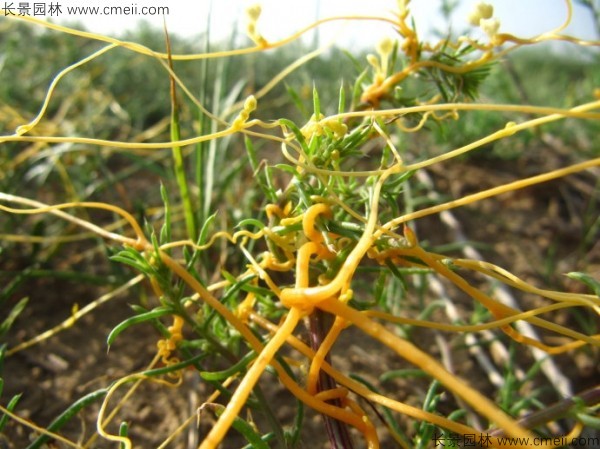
(385, 47)
(347, 295)
(243, 116)
(250, 103)
(372, 59)
(338, 128)
(323, 279)
(480, 11)
(473, 18)
(486, 11)
(253, 12)
(490, 26)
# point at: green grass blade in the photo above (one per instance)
(12, 316)
(123, 432)
(165, 232)
(342, 99)
(180, 176)
(10, 407)
(222, 375)
(153, 314)
(297, 133)
(297, 101)
(260, 176)
(592, 283)
(244, 428)
(176, 366)
(66, 416)
(316, 103)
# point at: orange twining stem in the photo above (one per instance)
(500, 310)
(308, 222)
(521, 316)
(240, 396)
(314, 295)
(273, 210)
(246, 306)
(220, 429)
(499, 273)
(428, 364)
(371, 433)
(520, 338)
(315, 367)
(332, 394)
(302, 271)
(363, 391)
(302, 265)
(270, 262)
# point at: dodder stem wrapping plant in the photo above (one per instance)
(296, 273)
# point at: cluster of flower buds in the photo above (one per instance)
(319, 126)
(253, 14)
(482, 16)
(384, 50)
(242, 118)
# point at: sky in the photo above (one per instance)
(280, 18)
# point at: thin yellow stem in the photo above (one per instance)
(495, 191)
